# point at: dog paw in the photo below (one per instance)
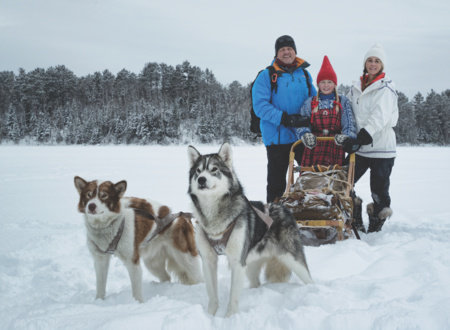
(232, 309)
(100, 296)
(212, 308)
(255, 284)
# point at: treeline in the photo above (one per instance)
(161, 105)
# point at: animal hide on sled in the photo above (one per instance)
(320, 196)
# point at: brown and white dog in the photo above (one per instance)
(134, 229)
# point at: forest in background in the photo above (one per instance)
(162, 104)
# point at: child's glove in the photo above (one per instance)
(309, 140)
(340, 139)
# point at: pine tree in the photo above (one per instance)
(150, 81)
(6, 91)
(13, 132)
(420, 113)
(406, 127)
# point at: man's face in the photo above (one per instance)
(286, 55)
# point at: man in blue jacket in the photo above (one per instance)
(279, 110)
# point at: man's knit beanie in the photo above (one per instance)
(284, 41)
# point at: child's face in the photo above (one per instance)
(326, 86)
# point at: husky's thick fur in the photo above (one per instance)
(128, 228)
(222, 211)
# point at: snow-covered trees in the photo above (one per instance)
(161, 104)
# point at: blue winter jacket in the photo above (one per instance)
(291, 92)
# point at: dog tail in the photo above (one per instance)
(276, 271)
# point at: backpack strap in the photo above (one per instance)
(273, 75)
(308, 83)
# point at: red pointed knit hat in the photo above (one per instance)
(326, 71)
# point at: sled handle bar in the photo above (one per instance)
(351, 166)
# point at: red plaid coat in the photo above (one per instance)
(325, 122)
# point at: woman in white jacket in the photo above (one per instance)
(374, 102)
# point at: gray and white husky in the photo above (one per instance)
(229, 224)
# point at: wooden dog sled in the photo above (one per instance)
(320, 200)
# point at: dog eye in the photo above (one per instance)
(89, 194)
(214, 169)
(198, 170)
(103, 195)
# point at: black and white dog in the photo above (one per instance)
(229, 224)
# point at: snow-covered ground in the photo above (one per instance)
(396, 279)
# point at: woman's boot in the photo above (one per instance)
(376, 222)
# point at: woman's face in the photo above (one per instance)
(373, 66)
(326, 86)
(286, 55)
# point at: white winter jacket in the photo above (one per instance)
(376, 110)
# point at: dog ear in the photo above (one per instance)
(121, 187)
(79, 183)
(226, 154)
(193, 154)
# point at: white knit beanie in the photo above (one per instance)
(377, 51)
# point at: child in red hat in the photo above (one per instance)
(331, 115)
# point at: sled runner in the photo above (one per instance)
(320, 200)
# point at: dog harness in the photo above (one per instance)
(163, 223)
(219, 245)
(264, 216)
(113, 245)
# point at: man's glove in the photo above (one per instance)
(309, 140)
(294, 120)
(339, 139)
(363, 137)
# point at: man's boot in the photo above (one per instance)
(357, 214)
(376, 222)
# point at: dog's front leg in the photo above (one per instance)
(209, 265)
(237, 280)
(135, 272)
(101, 265)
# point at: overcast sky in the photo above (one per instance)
(232, 38)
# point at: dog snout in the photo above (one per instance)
(92, 207)
(201, 181)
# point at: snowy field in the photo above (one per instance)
(396, 279)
